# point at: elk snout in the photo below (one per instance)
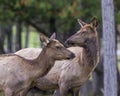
(72, 55)
(69, 43)
(66, 42)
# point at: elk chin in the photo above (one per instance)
(71, 44)
(76, 44)
(81, 45)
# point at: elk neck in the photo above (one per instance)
(44, 61)
(91, 52)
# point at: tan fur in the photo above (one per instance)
(59, 69)
(71, 74)
(17, 72)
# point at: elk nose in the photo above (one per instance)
(67, 42)
(72, 55)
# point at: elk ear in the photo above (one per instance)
(53, 36)
(44, 39)
(94, 22)
(81, 22)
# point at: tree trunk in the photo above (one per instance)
(2, 36)
(18, 36)
(52, 25)
(118, 80)
(1, 48)
(110, 64)
(84, 91)
(97, 81)
(27, 36)
(9, 39)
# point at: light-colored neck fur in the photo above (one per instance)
(43, 62)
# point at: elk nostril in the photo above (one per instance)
(72, 55)
(68, 43)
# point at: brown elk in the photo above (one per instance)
(71, 74)
(17, 73)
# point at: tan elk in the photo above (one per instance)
(71, 74)
(17, 73)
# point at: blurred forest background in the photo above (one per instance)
(21, 21)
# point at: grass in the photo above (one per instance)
(1, 93)
(33, 40)
(118, 65)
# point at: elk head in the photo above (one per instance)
(85, 35)
(55, 48)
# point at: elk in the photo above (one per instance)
(18, 73)
(71, 74)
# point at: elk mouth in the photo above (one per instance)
(68, 58)
(74, 44)
(71, 56)
(70, 44)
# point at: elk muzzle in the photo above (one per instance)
(72, 55)
(69, 43)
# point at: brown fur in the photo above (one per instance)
(71, 74)
(18, 73)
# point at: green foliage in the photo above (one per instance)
(33, 39)
(117, 10)
(43, 10)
